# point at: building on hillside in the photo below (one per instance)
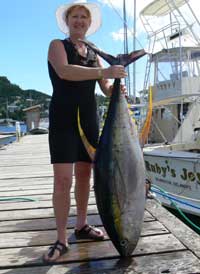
(32, 116)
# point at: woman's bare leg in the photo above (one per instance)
(61, 201)
(82, 190)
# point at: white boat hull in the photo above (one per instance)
(176, 177)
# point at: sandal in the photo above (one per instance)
(89, 232)
(60, 247)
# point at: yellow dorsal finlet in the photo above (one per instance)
(89, 148)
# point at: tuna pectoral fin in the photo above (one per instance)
(146, 127)
(89, 148)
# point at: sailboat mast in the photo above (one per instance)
(134, 48)
(7, 116)
(127, 80)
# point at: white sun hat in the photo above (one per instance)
(92, 7)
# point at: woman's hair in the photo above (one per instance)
(77, 7)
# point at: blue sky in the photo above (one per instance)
(26, 29)
(28, 26)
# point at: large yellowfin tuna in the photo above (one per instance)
(119, 172)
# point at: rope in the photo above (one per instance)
(17, 198)
(172, 199)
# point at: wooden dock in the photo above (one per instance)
(27, 227)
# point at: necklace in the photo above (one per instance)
(80, 48)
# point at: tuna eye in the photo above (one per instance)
(124, 242)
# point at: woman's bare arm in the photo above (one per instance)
(58, 59)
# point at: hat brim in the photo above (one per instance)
(95, 17)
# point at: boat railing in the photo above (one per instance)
(166, 31)
(169, 88)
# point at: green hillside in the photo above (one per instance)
(13, 100)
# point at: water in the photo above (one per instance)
(11, 128)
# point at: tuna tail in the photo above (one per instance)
(120, 59)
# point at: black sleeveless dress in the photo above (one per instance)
(65, 143)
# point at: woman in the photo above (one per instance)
(74, 70)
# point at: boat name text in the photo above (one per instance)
(185, 175)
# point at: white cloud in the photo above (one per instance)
(119, 35)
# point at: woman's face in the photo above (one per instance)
(78, 21)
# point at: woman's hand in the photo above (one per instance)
(112, 72)
(122, 89)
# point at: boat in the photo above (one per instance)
(41, 127)
(39, 130)
(172, 155)
(5, 139)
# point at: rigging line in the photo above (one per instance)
(134, 47)
(172, 115)
(125, 23)
(159, 130)
(127, 80)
